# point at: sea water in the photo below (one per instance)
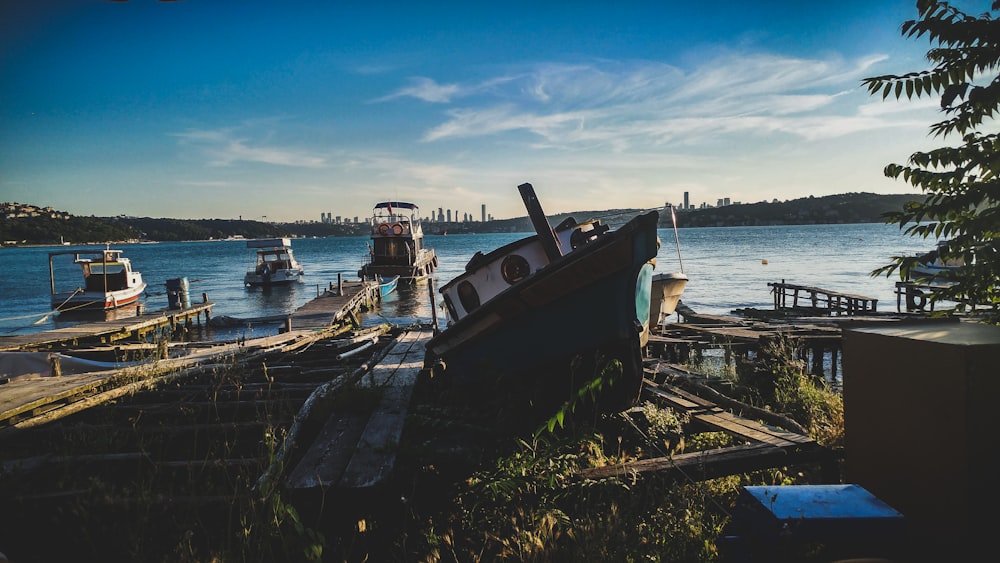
(728, 268)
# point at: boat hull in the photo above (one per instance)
(387, 287)
(97, 301)
(666, 294)
(591, 302)
(281, 277)
(419, 268)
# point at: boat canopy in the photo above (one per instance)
(395, 204)
(269, 243)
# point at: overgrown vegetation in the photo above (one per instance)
(777, 380)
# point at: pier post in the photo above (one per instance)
(434, 311)
(340, 284)
(55, 365)
(288, 324)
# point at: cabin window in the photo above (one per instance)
(468, 296)
(514, 268)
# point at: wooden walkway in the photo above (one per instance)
(339, 302)
(106, 331)
(28, 399)
(820, 301)
(357, 449)
(818, 337)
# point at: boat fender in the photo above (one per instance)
(434, 262)
(383, 229)
(397, 229)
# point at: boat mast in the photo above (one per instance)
(546, 236)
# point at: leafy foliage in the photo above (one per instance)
(961, 182)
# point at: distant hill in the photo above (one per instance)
(833, 209)
(27, 224)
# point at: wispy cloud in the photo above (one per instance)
(222, 148)
(636, 103)
(424, 89)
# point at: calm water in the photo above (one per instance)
(724, 265)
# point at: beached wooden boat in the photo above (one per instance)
(529, 307)
(108, 281)
(397, 244)
(272, 262)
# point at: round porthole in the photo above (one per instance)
(468, 296)
(514, 268)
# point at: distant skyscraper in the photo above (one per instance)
(484, 213)
(687, 201)
(449, 215)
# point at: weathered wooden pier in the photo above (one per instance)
(740, 337)
(48, 395)
(817, 301)
(110, 330)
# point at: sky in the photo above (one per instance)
(283, 110)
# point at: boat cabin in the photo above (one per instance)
(397, 243)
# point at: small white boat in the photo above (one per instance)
(932, 270)
(667, 288)
(666, 294)
(108, 282)
(385, 287)
(272, 263)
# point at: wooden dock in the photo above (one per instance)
(107, 331)
(28, 399)
(341, 301)
(818, 301)
(738, 337)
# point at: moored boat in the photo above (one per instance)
(532, 306)
(667, 288)
(397, 244)
(272, 262)
(108, 281)
(931, 269)
(385, 287)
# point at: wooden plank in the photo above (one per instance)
(673, 400)
(710, 464)
(376, 452)
(324, 461)
(741, 427)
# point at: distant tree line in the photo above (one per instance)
(844, 208)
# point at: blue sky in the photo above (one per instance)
(289, 109)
